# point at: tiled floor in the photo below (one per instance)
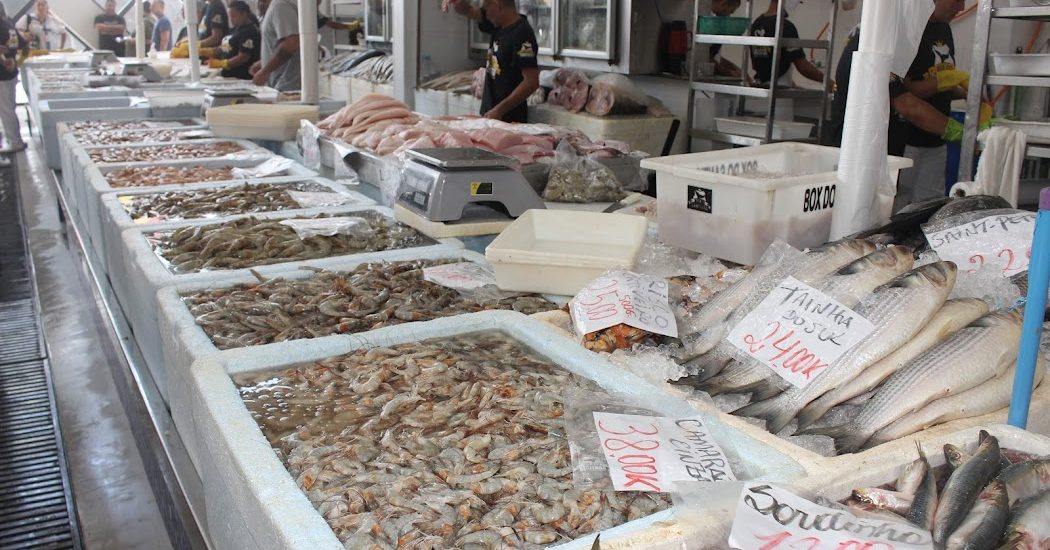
(114, 501)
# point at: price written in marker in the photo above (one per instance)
(799, 332)
(651, 453)
(770, 518)
(624, 297)
(1003, 242)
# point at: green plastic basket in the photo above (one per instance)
(712, 24)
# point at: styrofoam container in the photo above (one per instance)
(360, 87)
(140, 273)
(386, 88)
(53, 111)
(559, 251)
(431, 102)
(756, 127)
(341, 88)
(1035, 131)
(708, 203)
(1019, 64)
(642, 132)
(183, 342)
(277, 122)
(115, 220)
(463, 104)
(250, 496)
(90, 207)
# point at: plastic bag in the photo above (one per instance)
(615, 94)
(579, 179)
(329, 227)
(271, 167)
(314, 199)
(309, 144)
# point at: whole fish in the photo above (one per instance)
(954, 456)
(982, 527)
(1027, 479)
(970, 203)
(738, 378)
(896, 310)
(924, 503)
(985, 398)
(953, 316)
(968, 358)
(961, 490)
(883, 499)
(1028, 528)
(911, 477)
(859, 278)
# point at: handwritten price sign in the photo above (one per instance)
(799, 332)
(462, 275)
(770, 518)
(624, 297)
(651, 453)
(1003, 241)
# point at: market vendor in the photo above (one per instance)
(240, 49)
(762, 56)
(110, 26)
(723, 66)
(213, 27)
(511, 73)
(278, 66)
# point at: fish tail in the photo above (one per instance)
(847, 438)
(765, 390)
(776, 412)
(811, 413)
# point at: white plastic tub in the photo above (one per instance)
(731, 204)
(276, 122)
(756, 127)
(140, 273)
(183, 341)
(1019, 64)
(559, 251)
(642, 132)
(250, 496)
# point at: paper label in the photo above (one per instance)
(624, 297)
(799, 331)
(1003, 241)
(272, 166)
(651, 453)
(328, 227)
(771, 518)
(311, 199)
(460, 276)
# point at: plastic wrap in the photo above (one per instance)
(329, 227)
(615, 94)
(309, 143)
(313, 199)
(580, 179)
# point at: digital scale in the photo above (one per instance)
(145, 70)
(103, 57)
(227, 96)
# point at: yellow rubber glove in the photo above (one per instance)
(208, 52)
(985, 114)
(218, 64)
(180, 51)
(951, 78)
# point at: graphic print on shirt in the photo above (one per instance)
(225, 46)
(942, 55)
(493, 64)
(761, 51)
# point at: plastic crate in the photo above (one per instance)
(713, 24)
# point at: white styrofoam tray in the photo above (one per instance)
(140, 273)
(560, 251)
(184, 342)
(1019, 64)
(114, 219)
(756, 127)
(53, 111)
(249, 495)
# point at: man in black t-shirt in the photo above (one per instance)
(933, 78)
(110, 26)
(511, 73)
(762, 56)
(241, 47)
(723, 67)
(214, 26)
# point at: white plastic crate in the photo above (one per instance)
(756, 127)
(53, 111)
(642, 132)
(183, 342)
(275, 122)
(140, 273)
(431, 102)
(1021, 64)
(731, 204)
(114, 219)
(560, 251)
(249, 494)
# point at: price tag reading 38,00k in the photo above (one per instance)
(799, 331)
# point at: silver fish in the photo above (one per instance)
(953, 316)
(985, 398)
(1028, 528)
(883, 499)
(970, 357)
(924, 503)
(859, 278)
(962, 488)
(954, 456)
(1027, 479)
(897, 311)
(983, 526)
(911, 477)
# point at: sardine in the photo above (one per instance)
(953, 316)
(982, 527)
(1028, 528)
(954, 456)
(897, 311)
(924, 503)
(1025, 480)
(970, 357)
(911, 477)
(961, 490)
(883, 499)
(985, 398)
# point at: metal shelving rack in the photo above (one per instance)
(986, 11)
(741, 89)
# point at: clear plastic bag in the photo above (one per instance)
(329, 227)
(314, 199)
(270, 167)
(309, 136)
(579, 179)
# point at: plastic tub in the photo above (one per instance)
(642, 132)
(713, 24)
(559, 252)
(1019, 64)
(756, 127)
(732, 203)
(276, 122)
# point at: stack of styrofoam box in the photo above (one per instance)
(114, 218)
(360, 87)
(324, 84)
(53, 111)
(386, 88)
(184, 342)
(463, 104)
(431, 102)
(141, 273)
(252, 501)
(84, 184)
(642, 132)
(341, 88)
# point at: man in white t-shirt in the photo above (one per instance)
(279, 64)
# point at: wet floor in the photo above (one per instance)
(114, 501)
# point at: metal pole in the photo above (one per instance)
(140, 35)
(308, 51)
(1032, 328)
(968, 147)
(191, 33)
